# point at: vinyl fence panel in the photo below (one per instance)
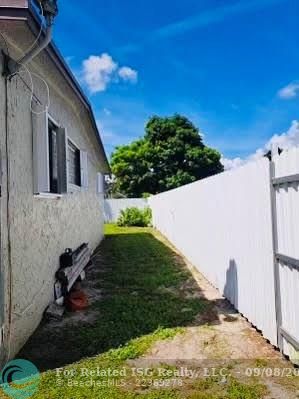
(287, 215)
(113, 207)
(223, 225)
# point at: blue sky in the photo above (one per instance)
(232, 66)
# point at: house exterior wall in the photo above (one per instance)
(40, 229)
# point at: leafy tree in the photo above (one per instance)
(170, 154)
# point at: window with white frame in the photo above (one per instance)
(100, 183)
(51, 170)
(57, 161)
(74, 164)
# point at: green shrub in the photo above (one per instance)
(147, 214)
(135, 217)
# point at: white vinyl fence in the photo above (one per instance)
(113, 207)
(286, 247)
(241, 230)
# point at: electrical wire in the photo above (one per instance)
(39, 34)
(5, 41)
(8, 219)
(48, 95)
(7, 150)
(10, 272)
(26, 70)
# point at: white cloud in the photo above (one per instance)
(69, 59)
(290, 91)
(100, 127)
(235, 107)
(231, 163)
(203, 19)
(107, 111)
(99, 71)
(286, 140)
(111, 138)
(128, 74)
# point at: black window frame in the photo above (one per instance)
(53, 158)
(74, 151)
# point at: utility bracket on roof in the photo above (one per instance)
(6, 60)
(49, 7)
(49, 10)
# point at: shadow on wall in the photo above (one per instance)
(231, 283)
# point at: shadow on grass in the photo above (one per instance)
(140, 280)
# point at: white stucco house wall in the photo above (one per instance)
(52, 160)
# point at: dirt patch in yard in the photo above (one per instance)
(221, 337)
(224, 333)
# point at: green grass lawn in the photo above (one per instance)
(142, 303)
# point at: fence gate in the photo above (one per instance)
(285, 213)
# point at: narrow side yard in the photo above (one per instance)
(155, 328)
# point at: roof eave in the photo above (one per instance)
(21, 10)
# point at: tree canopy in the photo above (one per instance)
(170, 154)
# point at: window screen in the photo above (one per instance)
(53, 159)
(74, 169)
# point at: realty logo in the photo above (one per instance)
(20, 379)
